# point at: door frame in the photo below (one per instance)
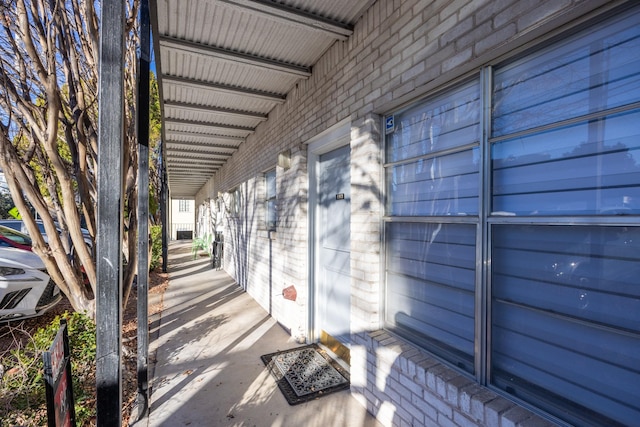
(333, 138)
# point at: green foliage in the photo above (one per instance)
(156, 246)
(154, 206)
(22, 389)
(155, 115)
(155, 132)
(6, 204)
(201, 243)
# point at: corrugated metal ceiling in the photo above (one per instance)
(223, 65)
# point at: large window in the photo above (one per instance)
(536, 219)
(433, 178)
(565, 299)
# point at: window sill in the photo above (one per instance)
(425, 391)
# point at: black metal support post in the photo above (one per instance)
(143, 211)
(110, 207)
(164, 196)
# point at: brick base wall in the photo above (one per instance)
(404, 386)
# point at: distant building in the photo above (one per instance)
(182, 219)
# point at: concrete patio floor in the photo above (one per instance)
(207, 345)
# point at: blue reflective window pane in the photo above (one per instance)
(583, 169)
(271, 184)
(441, 123)
(431, 286)
(446, 185)
(598, 70)
(566, 315)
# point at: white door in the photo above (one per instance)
(332, 270)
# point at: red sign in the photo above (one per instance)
(58, 381)
(61, 402)
(57, 355)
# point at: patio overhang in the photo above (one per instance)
(223, 65)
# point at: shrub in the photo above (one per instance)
(156, 246)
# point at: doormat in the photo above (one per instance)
(306, 373)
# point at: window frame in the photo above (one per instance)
(235, 202)
(488, 220)
(472, 219)
(270, 200)
(184, 206)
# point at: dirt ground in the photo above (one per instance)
(21, 330)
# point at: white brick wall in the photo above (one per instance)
(421, 391)
(399, 51)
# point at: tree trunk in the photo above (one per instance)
(48, 146)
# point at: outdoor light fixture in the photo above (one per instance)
(284, 159)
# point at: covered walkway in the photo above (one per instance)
(205, 362)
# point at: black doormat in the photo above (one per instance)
(306, 373)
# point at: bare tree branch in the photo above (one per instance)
(48, 147)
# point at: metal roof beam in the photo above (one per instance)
(199, 152)
(177, 145)
(199, 176)
(232, 90)
(195, 179)
(195, 160)
(199, 157)
(188, 182)
(178, 192)
(183, 147)
(199, 170)
(187, 156)
(168, 121)
(185, 179)
(233, 139)
(217, 110)
(289, 15)
(199, 162)
(184, 189)
(195, 170)
(183, 171)
(228, 55)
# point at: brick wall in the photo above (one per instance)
(404, 386)
(400, 50)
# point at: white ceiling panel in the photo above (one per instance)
(223, 65)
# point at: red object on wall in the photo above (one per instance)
(290, 293)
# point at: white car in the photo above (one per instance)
(26, 290)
